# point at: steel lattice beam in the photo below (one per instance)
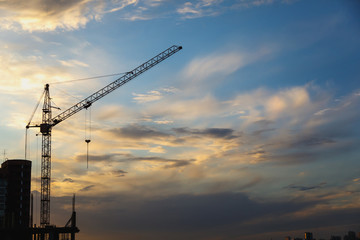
(116, 84)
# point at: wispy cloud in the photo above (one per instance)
(201, 68)
(207, 71)
(45, 15)
(205, 8)
(149, 97)
(73, 63)
(196, 9)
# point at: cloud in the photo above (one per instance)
(149, 97)
(306, 188)
(174, 163)
(313, 141)
(87, 188)
(157, 149)
(176, 109)
(224, 133)
(201, 69)
(294, 98)
(154, 95)
(68, 15)
(68, 180)
(136, 131)
(201, 8)
(44, 15)
(128, 158)
(120, 4)
(208, 8)
(119, 173)
(163, 122)
(73, 63)
(206, 216)
(203, 74)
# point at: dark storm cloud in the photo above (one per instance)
(119, 173)
(305, 188)
(225, 215)
(87, 188)
(68, 180)
(102, 158)
(172, 163)
(308, 141)
(136, 131)
(262, 126)
(255, 152)
(225, 133)
(292, 158)
(263, 123)
(209, 216)
(261, 131)
(197, 212)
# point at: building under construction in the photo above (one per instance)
(16, 221)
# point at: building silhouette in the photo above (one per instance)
(15, 219)
(15, 184)
(308, 236)
(335, 238)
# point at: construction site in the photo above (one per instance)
(16, 199)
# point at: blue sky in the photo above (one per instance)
(250, 132)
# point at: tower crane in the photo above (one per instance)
(48, 122)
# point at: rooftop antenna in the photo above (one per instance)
(4, 156)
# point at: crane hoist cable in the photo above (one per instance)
(87, 133)
(89, 78)
(29, 122)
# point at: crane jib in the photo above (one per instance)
(84, 104)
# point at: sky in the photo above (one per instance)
(251, 131)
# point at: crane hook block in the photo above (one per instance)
(87, 105)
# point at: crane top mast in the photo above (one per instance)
(48, 122)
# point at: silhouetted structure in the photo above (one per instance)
(335, 238)
(15, 183)
(51, 232)
(15, 220)
(3, 184)
(15, 193)
(308, 236)
(350, 236)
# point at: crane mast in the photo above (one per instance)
(48, 122)
(45, 158)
